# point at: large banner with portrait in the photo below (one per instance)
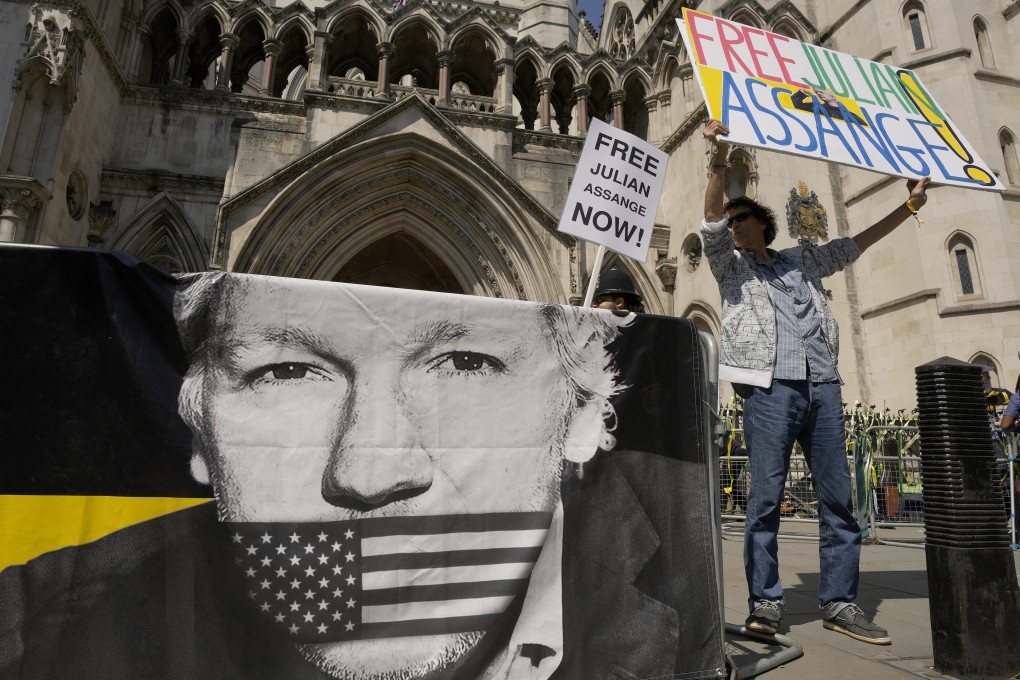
(224, 476)
(777, 93)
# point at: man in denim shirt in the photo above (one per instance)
(780, 345)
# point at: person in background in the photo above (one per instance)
(995, 397)
(615, 290)
(1012, 410)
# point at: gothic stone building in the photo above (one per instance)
(430, 144)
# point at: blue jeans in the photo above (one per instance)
(812, 414)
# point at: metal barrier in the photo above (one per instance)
(896, 491)
(1006, 454)
(800, 503)
(799, 499)
(890, 489)
(721, 486)
(885, 469)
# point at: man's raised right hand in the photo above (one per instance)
(714, 128)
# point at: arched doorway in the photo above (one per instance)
(399, 260)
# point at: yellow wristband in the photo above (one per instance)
(913, 211)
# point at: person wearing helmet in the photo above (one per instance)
(615, 290)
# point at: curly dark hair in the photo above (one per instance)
(762, 213)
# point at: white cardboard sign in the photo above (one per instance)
(615, 191)
(778, 93)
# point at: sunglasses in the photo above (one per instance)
(740, 217)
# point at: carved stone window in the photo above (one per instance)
(984, 43)
(964, 266)
(963, 269)
(622, 41)
(1007, 144)
(916, 23)
(990, 368)
(166, 263)
(76, 195)
(692, 252)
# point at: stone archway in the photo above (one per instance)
(399, 260)
(334, 207)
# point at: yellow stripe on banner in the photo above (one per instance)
(33, 525)
(711, 80)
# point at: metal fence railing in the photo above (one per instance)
(885, 469)
(890, 485)
(1008, 472)
(800, 503)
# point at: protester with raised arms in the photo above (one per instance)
(780, 346)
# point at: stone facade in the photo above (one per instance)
(431, 143)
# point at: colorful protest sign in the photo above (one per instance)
(615, 192)
(774, 92)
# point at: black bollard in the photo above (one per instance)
(974, 597)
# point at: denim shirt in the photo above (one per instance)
(801, 350)
(748, 349)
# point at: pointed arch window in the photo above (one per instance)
(400, 260)
(1007, 143)
(964, 266)
(916, 22)
(747, 18)
(622, 41)
(984, 43)
(787, 28)
(990, 365)
(165, 263)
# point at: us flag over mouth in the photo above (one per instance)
(388, 576)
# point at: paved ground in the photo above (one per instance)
(893, 591)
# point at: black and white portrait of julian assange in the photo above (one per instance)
(407, 486)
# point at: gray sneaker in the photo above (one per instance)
(852, 621)
(766, 615)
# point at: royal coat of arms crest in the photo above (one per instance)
(805, 215)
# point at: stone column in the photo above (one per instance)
(581, 93)
(228, 43)
(318, 62)
(544, 105)
(652, 103)
(184, 38)
(505, 87)
(665, 269)
(125, 45)
(529, 119)
(272, 49)
(100, 220)
(385, 51)
(618, 97)
(563, 122)
(309, 55)
(444, 58)
(133, 53)
(14, 209)
(665, 119)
